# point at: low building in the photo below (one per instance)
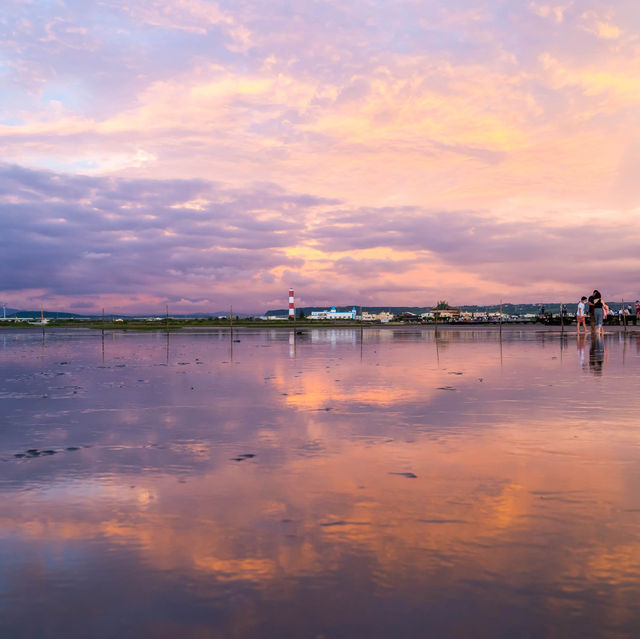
(446, 312)
(407, 316)
(333, 314)
(383, 317)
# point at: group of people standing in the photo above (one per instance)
(596, 309)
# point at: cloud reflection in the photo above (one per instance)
(517, 474)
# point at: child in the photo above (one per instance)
(580, 315)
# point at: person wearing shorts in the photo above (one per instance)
(581, 316)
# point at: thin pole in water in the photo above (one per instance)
(561, 320)
(167, 320)
(295, 332)
(501, 317)
(624, 316)
(361, 334)
(231, 333)
(42, 319)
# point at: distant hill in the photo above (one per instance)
(47, 314)
(14, 313)
(507, 307)
(213, 314)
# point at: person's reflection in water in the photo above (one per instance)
(581, 342)
(596, 354)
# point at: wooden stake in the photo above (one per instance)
(361, 333)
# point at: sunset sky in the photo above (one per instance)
(371, 152)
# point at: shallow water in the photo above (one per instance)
(319, 486)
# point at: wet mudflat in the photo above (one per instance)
(272, 485)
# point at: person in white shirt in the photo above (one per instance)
(581, 315)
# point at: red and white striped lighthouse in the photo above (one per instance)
(292, 306)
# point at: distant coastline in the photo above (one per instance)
(507, 308)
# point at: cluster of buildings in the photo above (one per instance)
(442, 312)
(333, 314)
(365, 316)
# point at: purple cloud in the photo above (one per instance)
(74, 235)
(79, 236)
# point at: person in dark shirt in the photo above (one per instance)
(596, 311)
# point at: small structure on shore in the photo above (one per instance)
(333, 314)
(442, 311)
(383, 317)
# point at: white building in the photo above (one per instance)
(383, 317)
(333, 314)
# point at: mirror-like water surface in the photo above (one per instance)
(273, 485)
